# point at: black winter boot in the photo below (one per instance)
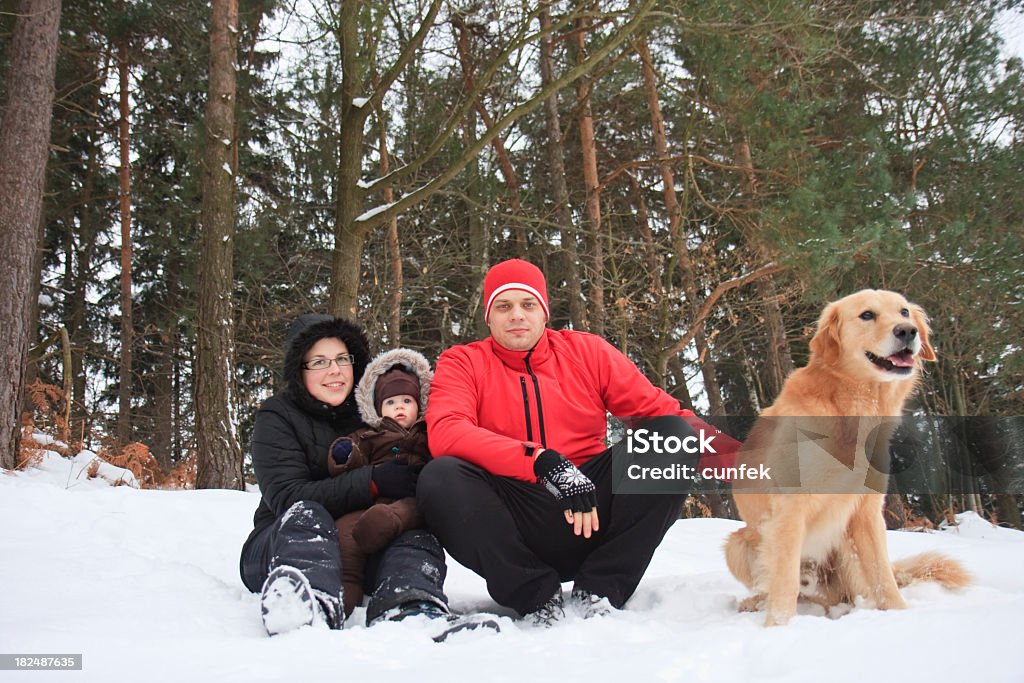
(587, 604)
(548, 614)
(286, 601)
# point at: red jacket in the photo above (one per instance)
(493, 407)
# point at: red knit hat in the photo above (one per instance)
(515, 274)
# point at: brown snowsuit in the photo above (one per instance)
(363, 532)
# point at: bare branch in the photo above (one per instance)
(709, 303)
(377, 218)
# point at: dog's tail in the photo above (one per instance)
(740, 554)
(931, 566)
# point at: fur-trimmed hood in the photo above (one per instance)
(412, 361)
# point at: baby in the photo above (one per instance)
(391, 397)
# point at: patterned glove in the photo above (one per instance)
(564, 481)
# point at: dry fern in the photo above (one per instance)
(30, 451)
(136, 458)
(694, 506)
(48, 402)
(182, 475)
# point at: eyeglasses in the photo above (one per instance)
(324, 363)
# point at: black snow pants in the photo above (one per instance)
(514, 535)
(411, 569)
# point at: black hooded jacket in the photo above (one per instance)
(293, 431)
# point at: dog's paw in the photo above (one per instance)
(838, 611)
(776, 619)
(753, 603)
(891, 600)
(779, 615)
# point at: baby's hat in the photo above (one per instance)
(396, 382)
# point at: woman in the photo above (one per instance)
(292, 554)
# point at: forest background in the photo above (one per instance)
(696, 179)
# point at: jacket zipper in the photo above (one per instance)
(536, 391)
(526, 409)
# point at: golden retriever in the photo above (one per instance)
(827, 436)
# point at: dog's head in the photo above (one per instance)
(873, 334)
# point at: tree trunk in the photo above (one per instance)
(163, 403)
(346, 271)
(349, 236)
(24, 147)
(220, 460)
(778, 362)
(592, 185)
(165, 396)
(508, 171)
(31, 364)
(124, 394)
(895, 512)
(720, 505)
(679, 246)
(394, 250)
(650, 251)
(559, 187)
(81, 244)
(681, 390)
(1008, 510)
(479, 249)
(478, 230)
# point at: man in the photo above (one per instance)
(526, 502)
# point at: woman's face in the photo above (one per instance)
(333, 384)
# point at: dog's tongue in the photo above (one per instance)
(903, 359)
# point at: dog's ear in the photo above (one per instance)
(920, 319)
(825, 343)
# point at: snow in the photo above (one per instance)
(74, 472)
(359, 102)
(42, 439)
(144, 584)
(367, 215)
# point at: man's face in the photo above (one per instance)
(517, 320)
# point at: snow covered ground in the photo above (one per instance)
(144, 584)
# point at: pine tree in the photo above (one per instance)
(220, 459)
(24, 139)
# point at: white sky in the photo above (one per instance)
(1011, 26)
